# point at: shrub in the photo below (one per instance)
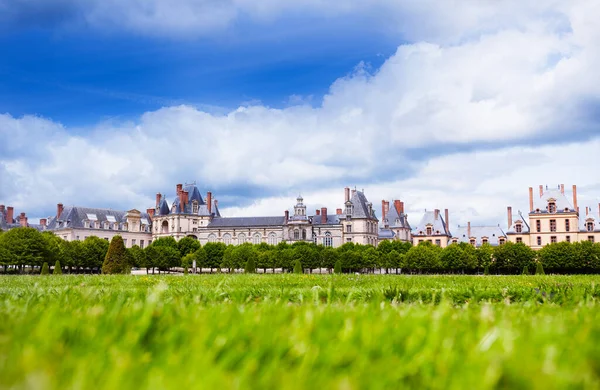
(298, 267)
(337, 268)
(250, 267)
(117, 258)
(486, 270)
(45, 269)
(525, 271)
(57, 269)
(539, 269)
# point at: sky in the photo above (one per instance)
(442, 104)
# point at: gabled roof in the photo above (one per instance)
(239, 222)
(524, 225)
(492, 233)
(74, 217)
(396, 220)
(386, 234)
(562, 202)
(331, 219)
(361, 206)
(591, 217)
(438, 224)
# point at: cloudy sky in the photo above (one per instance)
(459, 104)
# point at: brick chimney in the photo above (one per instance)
(541, 190)
(509, 215)
(9, 214)
(383, 213)
(447, 218)
(59, 210)
(287, 215)
(158, 196)
(436, 214)
(387, 208)
(338, 211)
(398, 206)
(562, 189)
(178, 188)
(150, 212)
(323, 215)
(575, 198)
(401, 207)
(469, 229)
(530, 199)
(346, 194)
(183, 200)
(209, 201)
(23, 220)
(1, 209)
(587, 211)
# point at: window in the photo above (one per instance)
(429, 230)
(349, 209)
(567, 225)
(77, 238)
(165, 227)
(256, 239)
(226, 238)
(591, 238)
(438, 242)
(327, 240)
(195, 222)
(296, 234)
(484, 241)
(272, 239)
(568, 238)
(349, 239)
(133, 242)
(552, 207)
(472, 241)
(553, 225)
(212, 238)
(538, 225)
(142, 244)
(519, 228)
(454, 240)
(590, 226)
(420, 241)
(539, 240)
(519, 240)
(195, 208)
(241, 238)
(501, 241)
(348, 228)
(314, 238)
(304, 234)
(124, 241)
(553, 239)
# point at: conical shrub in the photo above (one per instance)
(117, 258)
(298, 267)
(250, 267)
(539, 269)
(185, 270)
(57, 269)
(486, 270)
(525, 271)
(337, 268)
(45, 269)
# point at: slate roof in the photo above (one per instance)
(332, 219)
(361, 206)
(74, 217)
(493, 233)
(238, 222)
(193, 195)
(396, 220)
(429, 219)
(562, 202)
(386, 234)
(524, 225)
(591, 217)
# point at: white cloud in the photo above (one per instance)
(518, 85)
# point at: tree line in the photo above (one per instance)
(27, 249)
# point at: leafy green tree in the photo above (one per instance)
(485, 255)
(393, 260)
(166, 241)
(95, 250)
(242, 254)
(187, 261)
(329, 257)
(307, 255)
(385, 247)
(370, 257)
(423, 257)
(486, 270)
(559, 257)
(202, 259)
(229, 260)
(138, 257)
(26, 246)
(45, 269)
(337, 268)
(458, 257)
(57, 269)
(214, 254)
(511, 258)
(117, 260)
(163, 257)
(298, 267)
(266, 259)
(188, 245)
(586, 256)
(52, 243)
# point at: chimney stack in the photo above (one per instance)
(401, 207)
(346, 194)
(397, 206)
(530, 199)
(383, 210)
(179, 188)
(447, 218)
(541, 190)
(59, 210)
(209, 201)
(150, 212)
(318, 212)
(23, 220)
(436, 213)
(9, 214)
(158, 196)
(287, 215)
(509, 214)
(587, 211)
(1, 209)
(387, 207)
(575, 198)
(323, 215)
(469, 229)
(338, 211)
(562, 189)
(183, 200)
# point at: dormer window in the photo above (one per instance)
(454, 240)
(519, 228)
(484, 240)
(590, 226)
(472, 241)
(195, 207)
(86, 224)
(349, 209)
(501, 241)
(552, 207)
(429, 230)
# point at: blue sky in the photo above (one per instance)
(444, 105)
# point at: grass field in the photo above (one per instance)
(299, 331)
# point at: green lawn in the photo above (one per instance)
(299, 331)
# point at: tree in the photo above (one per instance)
(539, 269)
(138, 257)
(187, 245)
(94, 250)
(486, 270)
(423, 257)
(57, 269)
(337, 269)
(117, 260)
(298, 267)
(242, 254)
(187, 261)
(560, 256)
(250, 267)
(45, 269)
(329, 258)
(393, 260)
(266, 259)
(307, 255)
(201, 259)
(26, 246)
(510, 257)
(525, 271)
(485, 255)
(458, 257)
(214, 254)
(370, 257)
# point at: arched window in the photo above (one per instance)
(590, 226)
(212, 238)
(256, 239)
(429, 230)
(227, 239)
(241, 238)
(501, 241)
(165, 227)
(272, 239)
(552, 207)
(314, 238)
(296, 234)
(304, 234)
(327, 240)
